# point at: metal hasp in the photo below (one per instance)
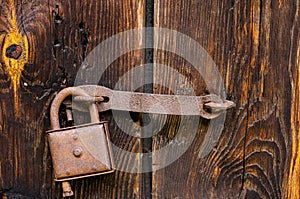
(84, 151)
(78, 151)
(207, 106)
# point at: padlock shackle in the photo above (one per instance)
(60, 97)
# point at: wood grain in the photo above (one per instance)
(60, 35)
(293, 189)
(255, 45)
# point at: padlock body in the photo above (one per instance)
(81, 151)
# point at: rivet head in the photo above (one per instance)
(77, 151)
(75, 136)
(94, 167)
(68, 172)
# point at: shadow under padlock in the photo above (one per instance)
(78, 151)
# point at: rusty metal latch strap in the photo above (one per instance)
(208, 106)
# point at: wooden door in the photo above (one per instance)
(255, 45)
(255, 48)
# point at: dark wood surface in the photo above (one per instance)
(57, 51)
(255, 45)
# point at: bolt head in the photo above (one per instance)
(77, 151)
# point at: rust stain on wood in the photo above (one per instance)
(15, 54)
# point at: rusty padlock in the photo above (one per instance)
(78, 151)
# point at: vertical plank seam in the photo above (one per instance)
(148, 88)
(242, 192)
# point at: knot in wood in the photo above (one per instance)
(14, 51)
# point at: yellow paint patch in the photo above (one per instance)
(15, 66)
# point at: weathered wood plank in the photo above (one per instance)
(293, 190)
(255, 45)
(60, 35)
